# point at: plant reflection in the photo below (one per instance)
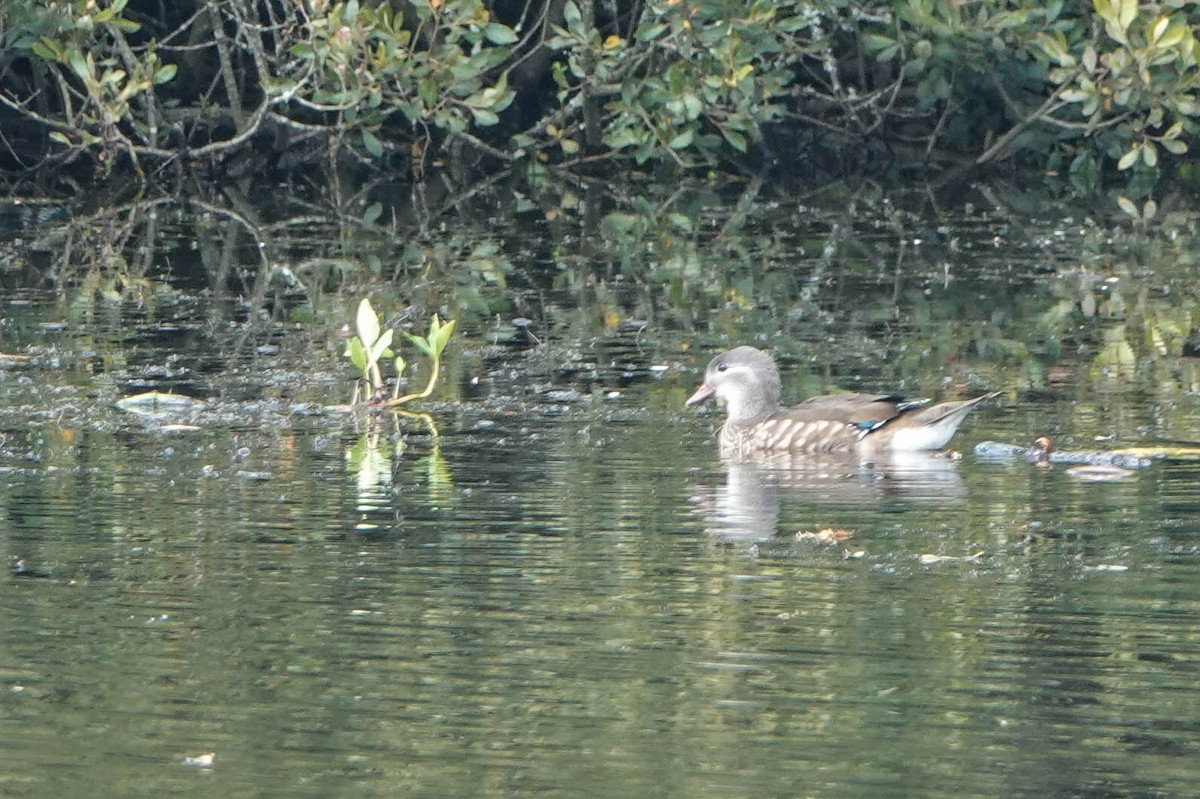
(376, 459)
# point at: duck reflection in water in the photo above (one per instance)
(746, 507)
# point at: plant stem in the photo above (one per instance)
(433, 377)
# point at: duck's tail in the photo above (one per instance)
(927, 428)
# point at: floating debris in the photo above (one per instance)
(20, 568)
(928, 558)
(201, 761)
(829, 535)
(1040, 453)
(156, 403)
(8, 360)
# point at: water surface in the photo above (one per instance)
(568, 593)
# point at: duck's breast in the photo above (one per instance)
(784, 434)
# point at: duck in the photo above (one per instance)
(747, 380)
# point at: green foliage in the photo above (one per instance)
(349, 67)
(367, 64)
(1135, 82)
(372, 344)
(695, 80)
(1085, 89)
(88, 52)
(437, 339)
(1075, 84)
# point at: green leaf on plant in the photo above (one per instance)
(736, 140)
(79, 64)
(648, 33)
(682, 140)
(421, 344)
(370, 216)
(1173, 36)
(372, 143)
(499, 34)
(1128, 12)
(357, 353)
(572, 16)
(484, 117)
(380, 347)
(442, 337)
(367, 323)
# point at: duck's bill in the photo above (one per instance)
(704, 392)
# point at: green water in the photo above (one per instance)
(570, 594)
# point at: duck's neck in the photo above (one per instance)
(750, 409)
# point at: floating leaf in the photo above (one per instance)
(156, 402)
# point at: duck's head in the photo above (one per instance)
(746, 379)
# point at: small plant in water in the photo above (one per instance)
(373, 344)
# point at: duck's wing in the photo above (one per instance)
(863, 411)
(825, 424)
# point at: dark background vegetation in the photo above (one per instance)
(1084, 90)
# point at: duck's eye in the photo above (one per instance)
(721, 367)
